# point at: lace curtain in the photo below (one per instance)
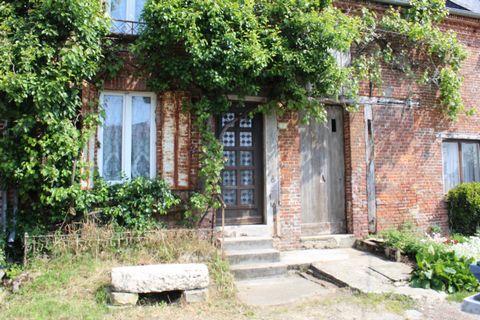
(112, 138)
(141, 107)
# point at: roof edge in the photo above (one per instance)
(457, 12)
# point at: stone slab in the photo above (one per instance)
(195, 296)
(278, 291)
(123, 298)
(160, 278)
(371, 274)
(472, 304)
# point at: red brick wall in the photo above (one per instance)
(289, 211)
(408, 152)
(355, 173)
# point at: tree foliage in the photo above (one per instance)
(286, 51)
(47, 50)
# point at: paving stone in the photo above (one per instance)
(278, 291)
(413, 315)
(123, 298)
(195, 296)
(371, 274)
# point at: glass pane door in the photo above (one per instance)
(242, 179)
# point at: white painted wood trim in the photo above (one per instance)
(235, 97)
(127, 133)
(458, 135)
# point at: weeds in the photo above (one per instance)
(71, 278)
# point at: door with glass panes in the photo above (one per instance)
(242, 178)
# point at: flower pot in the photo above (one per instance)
(475, 269)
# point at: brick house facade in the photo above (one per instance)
(392, 163)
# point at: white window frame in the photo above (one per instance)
(129, 6)
(127, 134)
(459, 143)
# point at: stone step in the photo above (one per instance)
(247, 243)
(264, 270)
(332, 241)
(252, 256)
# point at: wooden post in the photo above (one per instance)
(25, 248)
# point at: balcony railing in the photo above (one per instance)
(126, 27)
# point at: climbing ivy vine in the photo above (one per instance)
(48, 50)
(285, 50)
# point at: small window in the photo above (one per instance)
(126, 15)
(127, 136)
(461, 163)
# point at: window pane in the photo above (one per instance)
(139, 4)
(229, 157)
(118, 11)
(227, 118)
(112, 138)
(470, 162)
(229, 178)
(246, 139)
(141, 119)
(229, 139)
(451, 173)
(230, 197)
(246, 158)
(246, 197)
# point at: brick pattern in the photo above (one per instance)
(173, 140)
(408, 154)
(355, 173)
(289, 211)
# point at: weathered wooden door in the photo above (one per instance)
(242, 178)
(323, 175)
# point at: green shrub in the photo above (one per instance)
(405, 240)
(443, 270)
(137, 203)
(464, 211)
(408, 240)
(134, 204)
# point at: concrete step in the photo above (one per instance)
(247, 243)
(252, 256)
(264, 270)
(332, 241)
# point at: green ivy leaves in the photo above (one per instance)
(47, 50)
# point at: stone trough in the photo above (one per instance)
(128, 282)
(472, 304)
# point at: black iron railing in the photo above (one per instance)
(125, 27)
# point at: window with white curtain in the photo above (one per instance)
(127, 136)
(126, 15)
(461, 163)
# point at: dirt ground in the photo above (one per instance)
(341, 304)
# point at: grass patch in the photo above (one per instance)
(395, 303)
(459, 296)
(75, 286)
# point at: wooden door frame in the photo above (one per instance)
(258, 168)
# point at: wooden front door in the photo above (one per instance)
(242, 178)
(323, 175)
